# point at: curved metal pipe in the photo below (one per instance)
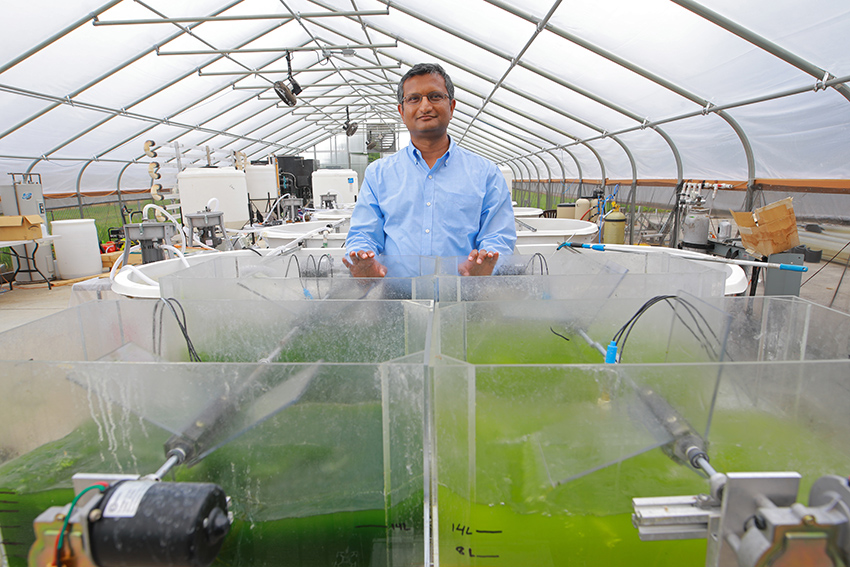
(563, 174)
(540, 183)
(537, 172)
(79, 179)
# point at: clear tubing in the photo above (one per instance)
(115, 267)
(177, 252)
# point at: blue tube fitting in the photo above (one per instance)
(611, 355)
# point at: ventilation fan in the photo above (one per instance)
(381, 139)
(350, 127)
(288, 93)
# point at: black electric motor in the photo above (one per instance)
(142, 523)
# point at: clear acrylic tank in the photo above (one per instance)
(320, 443)
(538, 464)
(406, 432)
(540, 447)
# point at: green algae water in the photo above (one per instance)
(504, 510)
(510, 515)
(307, 487)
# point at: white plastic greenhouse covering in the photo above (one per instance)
(637, 92)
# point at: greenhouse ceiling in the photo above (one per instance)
(610, 89)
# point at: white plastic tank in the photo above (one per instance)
(77, 248)
(197, 185)
(583, 209)
(566, 210)
(509, 176)
(262, 181)
(340, 182)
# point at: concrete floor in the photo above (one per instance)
(27, 302)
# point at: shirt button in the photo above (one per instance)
(427, 231)
(430, 177)
(428, 204)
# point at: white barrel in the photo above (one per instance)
(340, 182)
(583, 209)
(262, 181)
(77, 248)
(197, 185)
(566, 210)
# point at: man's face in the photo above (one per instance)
(426, 119)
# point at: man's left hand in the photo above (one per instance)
(479, 263)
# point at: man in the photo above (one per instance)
(433, 198)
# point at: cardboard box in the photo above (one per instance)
(769, 230)
(27, 227)
(108, 259)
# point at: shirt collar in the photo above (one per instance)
(416, 155)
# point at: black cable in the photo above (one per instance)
(184, 329)
(697, 328)
(330, 272)
(193, 355)
(559, 334)
(330, 262)
(311, 262)
(541, 259)
(289, 265)
(826, 264)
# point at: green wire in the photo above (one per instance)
(68, 517)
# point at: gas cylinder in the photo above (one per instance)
(614, 229)
(695, 227)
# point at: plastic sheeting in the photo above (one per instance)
(554, 89)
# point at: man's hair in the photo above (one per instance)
(424, 69)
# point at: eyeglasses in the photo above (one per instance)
(433, 98)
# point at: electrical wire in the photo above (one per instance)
(559, 334)
(697, 319)
(61, 539)
(541, 259)
(826, 264)
(289, 265)
(170, 302)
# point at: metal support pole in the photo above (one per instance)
(79, 180)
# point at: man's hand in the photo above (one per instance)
(362, 264)
(479, 263)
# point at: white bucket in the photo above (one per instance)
(77, 248)
(262, 182)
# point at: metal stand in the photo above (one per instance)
(32, 266)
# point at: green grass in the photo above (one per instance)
(105, 215)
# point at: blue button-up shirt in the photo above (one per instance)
(407, 209)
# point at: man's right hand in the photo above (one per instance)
(362, 264)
